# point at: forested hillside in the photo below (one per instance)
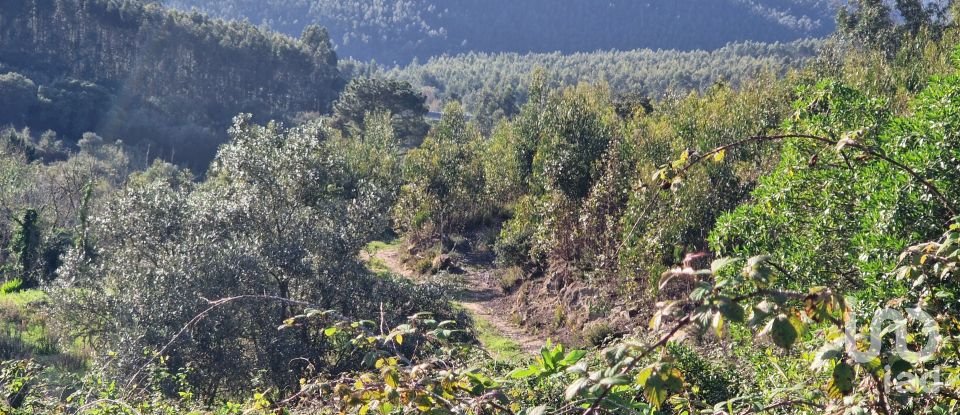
(153, 77)
(784, 242)
(401, 30)
(487, 83)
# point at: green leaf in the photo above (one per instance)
(537, 410)
(572, 357)
(330, 331)
(615, 380)
(718, 324)
(841, 382)
(758, 270)
(759, 313)
(659, 381)
(524, 373)
(731, 310)
(720, 263)
(828, 353)
(446, 323)
(701, 291)
(782, 331)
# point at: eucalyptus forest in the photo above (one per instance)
(489, 208)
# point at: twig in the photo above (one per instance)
(760, 138)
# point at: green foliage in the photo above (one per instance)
(25, 246)
(365, 96)
(165, 80)
(598, 334)
(282, 214)
(871, 23)
(500, 348)
(710, 381)
(821, 213)
(854, 236)
(18, 93)
(488, 82)
(444, 181)
(11, 286)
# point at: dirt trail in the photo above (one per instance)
(478, 293)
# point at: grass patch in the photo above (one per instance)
(499, 347)
(377, 246)
(376, 265)
(21, 299)
(25, 333)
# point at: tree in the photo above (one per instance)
(364, 96)
(17, 94)
(279, 221)
(25, 247)
(317, 41)
(444, 181)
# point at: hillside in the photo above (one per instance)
(767, 228)
(482, 81)
(162, 79)
(401, 30)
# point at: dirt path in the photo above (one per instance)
(478, 293)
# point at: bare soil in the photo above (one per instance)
(478, 292)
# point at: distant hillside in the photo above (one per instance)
(163, 79)
(400, 30)
(485, 81)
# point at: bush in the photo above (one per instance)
(598, 334)
(714, 382)
(510, 277)
(11, 286)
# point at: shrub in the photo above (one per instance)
(510, 277)
(598, 334)
(11, 286)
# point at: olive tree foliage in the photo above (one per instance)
(282, 214)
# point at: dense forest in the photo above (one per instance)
(397, 31)
(492, 85)
(156, 78)
(761, 229)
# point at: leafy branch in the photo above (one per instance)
(847, 141)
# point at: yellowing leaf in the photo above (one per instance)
(390, 378)
(719, 156)
(398, 339)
